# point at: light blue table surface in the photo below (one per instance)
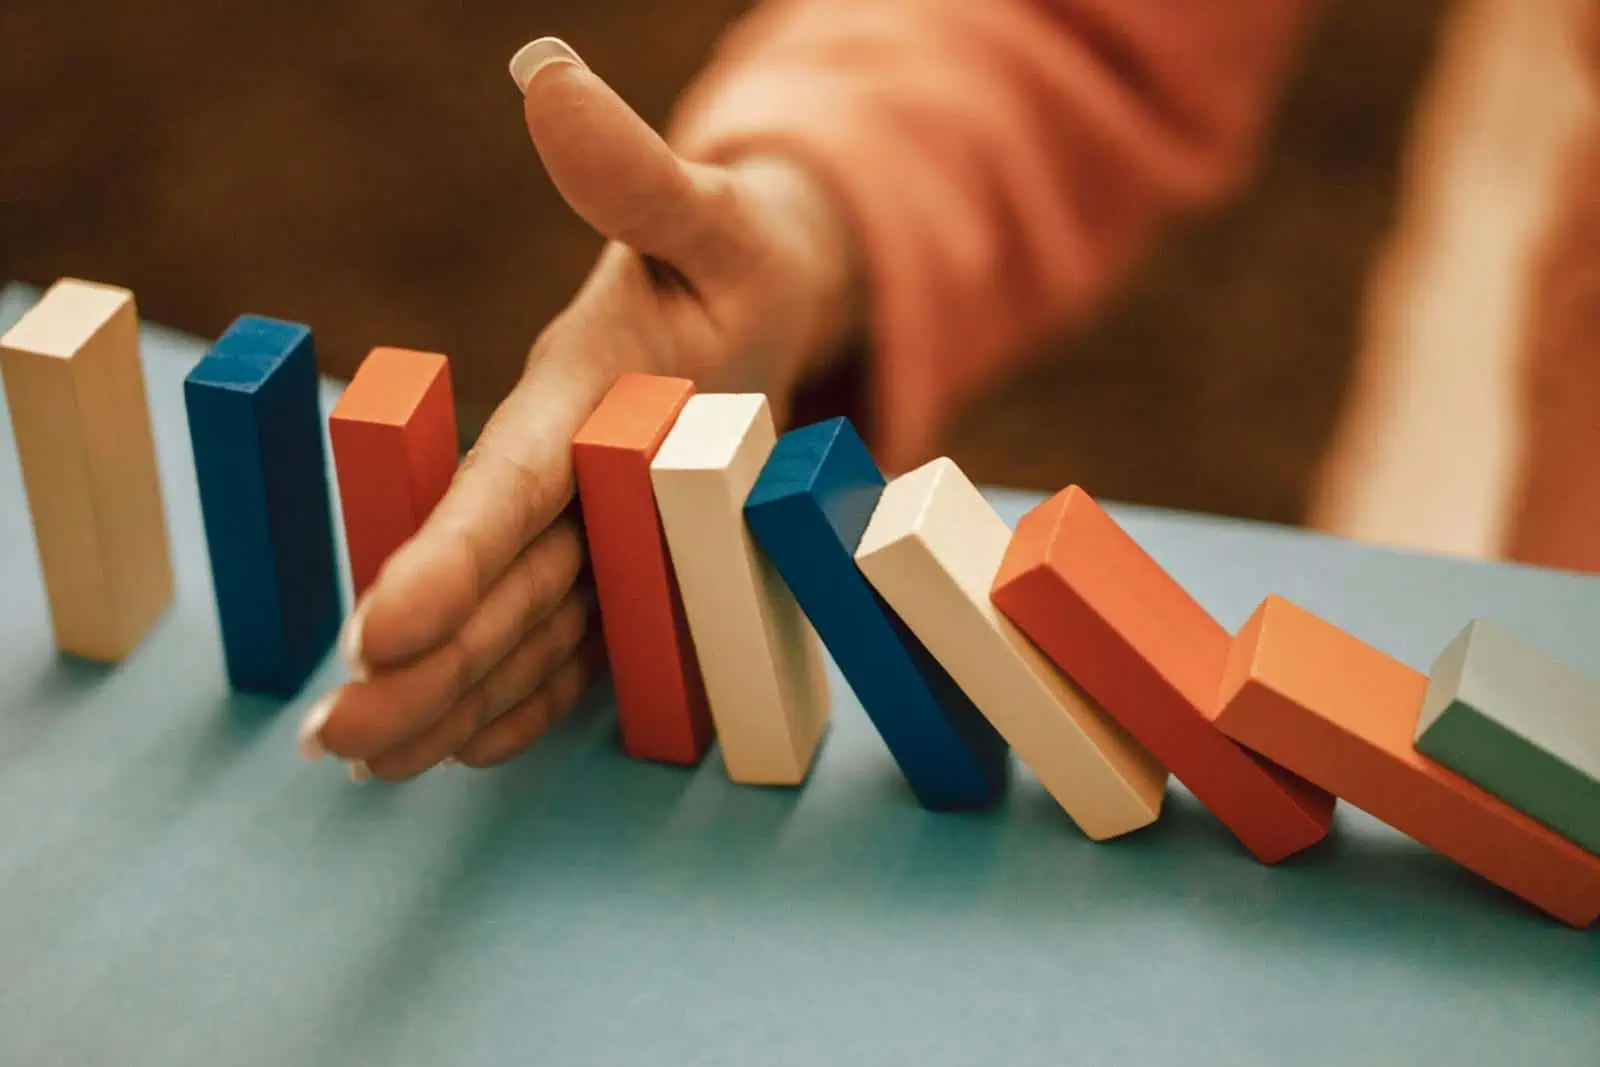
(177, 887)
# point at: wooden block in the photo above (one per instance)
(1311, 697)
(808, 510)
(256, 427)
(759, 655)
(1508, 718)
(661, 697)
(1150, 655)
(393, 434)
(82, 424)
(932, 550)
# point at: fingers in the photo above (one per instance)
(517, 730)
(375, 714)
(513, 679)
(618, 173)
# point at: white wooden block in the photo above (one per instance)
(76, 394)
(760, 657)
(932, 550)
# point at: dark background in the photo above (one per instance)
(360, 165)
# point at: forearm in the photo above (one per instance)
(998, 166)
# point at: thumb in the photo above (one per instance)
(617, 173)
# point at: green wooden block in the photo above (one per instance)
(1506, 717)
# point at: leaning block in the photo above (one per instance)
(82, 425)
(1506, 717)
(1147, 652)
(760, 657)
(661, 697)
(1313, 698)
(932, 550)
(393, 434)
(808, 510)
(256, 427)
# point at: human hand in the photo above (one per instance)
(476, 635)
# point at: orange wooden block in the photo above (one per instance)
(1317, 700)
(1150, 655)
(661, 698)
(394, 446)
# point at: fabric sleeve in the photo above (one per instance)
(1001, 162)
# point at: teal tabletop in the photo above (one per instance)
(177, 887)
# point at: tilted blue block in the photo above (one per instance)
(808, 510)
(255, 423)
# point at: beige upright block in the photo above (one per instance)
(760, 658)
(932, 550)
(76, 396)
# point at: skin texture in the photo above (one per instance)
(479, 632)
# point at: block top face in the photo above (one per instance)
(711, 430)
(636, 414)
(248, 354)
(938, 507)
(389, 385)
(65, 318)
(1521, 689)
(827, 466)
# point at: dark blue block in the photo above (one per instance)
(808, 510)
(255, 421)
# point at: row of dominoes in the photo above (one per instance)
(725, 557)
(76, 394)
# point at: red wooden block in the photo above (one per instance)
(1147, 652)
(661, 697)
(395, 450)
(1312, 697)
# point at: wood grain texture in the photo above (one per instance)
(760, 657)
(1340, 713)
(932, 550)
(76, 393)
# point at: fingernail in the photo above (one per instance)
(311, 727)
(534, 56)
(359, 771)
(350, 642)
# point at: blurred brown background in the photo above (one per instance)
(361, 166)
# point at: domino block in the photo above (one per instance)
(1317, 700)
(760, 657)
(1119, 626)
(808, 510)
(256, 427)
(661, 696)
(82, 425)
(932, 550)
(393, 434)
(1506, 717)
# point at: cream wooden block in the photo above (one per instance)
(76, 394)
(932, 550)
(760, 657)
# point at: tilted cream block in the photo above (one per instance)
(932, 550)
(76, 394)
(760, 657)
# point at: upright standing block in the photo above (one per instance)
(808, 510)
(1506, 717)
(82, 424)
(1141, 646)
(760, 657)
(932, 550)
(661, 697)
(255, 423)
(1342, 714)
(393, 433)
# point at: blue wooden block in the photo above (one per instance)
(255, 422)
(808, 510)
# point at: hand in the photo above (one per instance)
(477, 634)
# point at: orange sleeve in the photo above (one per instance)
(1002, 162)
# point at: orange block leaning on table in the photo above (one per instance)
(395, 450)
(1335, 710)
